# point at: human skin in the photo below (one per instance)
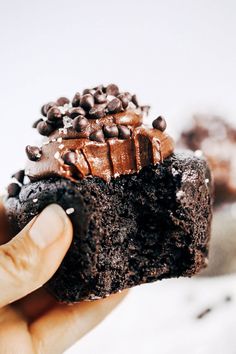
(31, 321)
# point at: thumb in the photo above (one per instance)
(33, 256)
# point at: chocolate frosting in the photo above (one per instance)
(100, 133)
(107, 159)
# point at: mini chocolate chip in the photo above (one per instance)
(19, 176)
(145, 109)
(34, 153)
(46, 107)
(44, 128)
(124, 100)
(97, 111)
(87, 101)
(114, 106)
(13, 190)
(111, 131)
(70, 158)
(112, 90)
(80, 123)
(124, 132)
(54, 114)
(97, 136)
(100, 97)
(61, 101)
(134, 100)
(76, 100)
(75, 112)
(128, 95)
(37, 122)
(89, 91)
(159, 123)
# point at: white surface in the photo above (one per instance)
(177, 55)
(161, 319)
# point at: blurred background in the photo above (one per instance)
(179, 56)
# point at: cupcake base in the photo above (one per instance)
(135, 229)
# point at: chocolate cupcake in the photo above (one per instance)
(140, 212)
(215, 138)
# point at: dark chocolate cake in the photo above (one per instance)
(214, 137)
(139, 211)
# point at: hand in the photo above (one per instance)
(31, 321)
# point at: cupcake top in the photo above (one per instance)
(99, 133)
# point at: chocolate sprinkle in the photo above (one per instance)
(70, 158)
(111, 131)
(87, 101)
(19, 176)
(97, 136)
(76, 100)
(80, 123)
(114, 106)
(159, 123)
(13, 190)
(62, 101)
(34, 153)
(203, 313)
(112, 90)
(124, 132)
(44, 128)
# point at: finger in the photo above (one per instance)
(33, 256)
(57, 330)
(4, 230)
(14, 335)
(35, 304)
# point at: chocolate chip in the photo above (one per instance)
(13, 190)
(76, 100)
(111, 131)
(33, 152)
(97, 136)
(114, 106)
(159, 123)
(112, 90)
(80, 123)
(97, 111)
(75, 112)
(124, 100)
(124, 132)
(37, 122)
(70, 158)
(89, 91)
(128, 95)
(54, 114)
(44, 128)
(87, 101)
(46, 107)
(62, 101)
(145, 109)
(100, 97)
(134, 100)
(19, 176)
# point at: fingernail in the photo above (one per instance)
(48, 226)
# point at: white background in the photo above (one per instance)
(177, 55)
